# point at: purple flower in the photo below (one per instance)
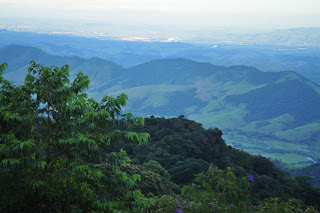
(251, 178)
(189, 205)
(212, 204)
(231, 206)
(179, 211)
(178, 203)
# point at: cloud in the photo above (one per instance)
(228, 6)
(205, 12)
(8, 1)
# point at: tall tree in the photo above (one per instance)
(54, 146)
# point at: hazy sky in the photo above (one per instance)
(186, 13)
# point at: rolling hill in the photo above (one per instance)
(273, 114)
(292, 49)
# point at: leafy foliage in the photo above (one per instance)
(60, 151)
(277, 205)
(185, 149)
(221, 191)
(155, 180)
(54, 146)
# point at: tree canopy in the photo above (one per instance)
(185, 149)
(54, 143)
(61, 151)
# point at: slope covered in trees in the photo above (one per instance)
(184, 148)
(312, 171)
(60, 151)
(275, 114)
(53, 142)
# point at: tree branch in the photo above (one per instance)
(59, 153)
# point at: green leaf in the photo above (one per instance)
(141, 120)
(51, 133)
(136, 177)
(137, 194)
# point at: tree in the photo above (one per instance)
(186, 171)
(213, 191)
(54, 146)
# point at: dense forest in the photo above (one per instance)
(184, 149)
(61, 151)
(312, 171)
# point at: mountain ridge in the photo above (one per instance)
(266, 57)
(216, 96)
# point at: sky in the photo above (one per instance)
(188, 14)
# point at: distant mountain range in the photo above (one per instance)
(293, 49)
(272, 114)
(302, 36)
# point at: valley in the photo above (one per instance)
(273, 114)
(160, 106)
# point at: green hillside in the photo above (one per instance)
(61, 151)
(18, 57)
(273, 114)
(184, 148)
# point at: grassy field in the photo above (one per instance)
(291, 158)
(295, 155)
(309, 132)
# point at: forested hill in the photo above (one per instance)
(272, 114)
(184, 148)
(18, 58)
(312, 171)
(63, 152)
(263, 113)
